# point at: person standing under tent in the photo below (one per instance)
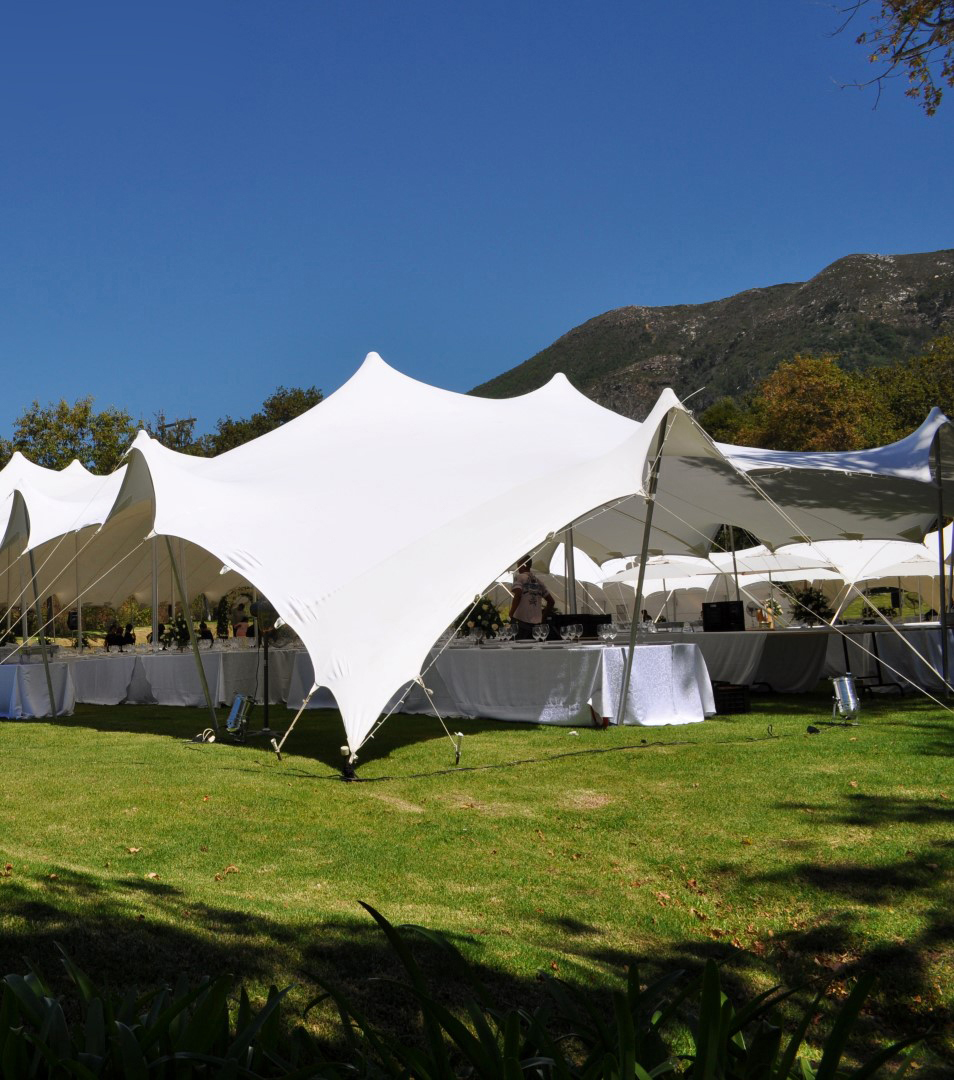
(240, 621)
(531, 600)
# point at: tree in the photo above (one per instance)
(912, 38)
(53, 436)
(282, 406)
(723, 420)
(911, 389)
(811, 403)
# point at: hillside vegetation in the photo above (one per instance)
(870, 310)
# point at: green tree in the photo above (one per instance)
(53, 436)
(911, 389)
(811, 403)
(282, 406)
(913, 39)
(723, 420)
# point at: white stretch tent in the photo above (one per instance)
(339, 515)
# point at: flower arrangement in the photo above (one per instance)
(483, 614)
(177, 634)
(773, 607)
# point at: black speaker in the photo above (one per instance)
(72, 622)
(723, 615)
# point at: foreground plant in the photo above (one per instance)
(575, 1037)
(676, 1026)
(179, 1033)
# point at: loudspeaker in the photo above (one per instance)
(723, 615)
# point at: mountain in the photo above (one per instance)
(868, 309)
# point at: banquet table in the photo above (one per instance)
(905, 655)
(787, 661)
(24, 690)
(170, 677)
(550, 684)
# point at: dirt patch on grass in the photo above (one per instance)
(587, 800)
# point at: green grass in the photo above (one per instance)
(788, 857)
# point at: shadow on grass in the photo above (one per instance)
(318, 735)
(138, 934)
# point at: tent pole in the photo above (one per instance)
(79, 597)
(735, 565)
(945, 670)
(155, 590)
(570, 557)
(187, 615)
(641, 577)
(42, 636)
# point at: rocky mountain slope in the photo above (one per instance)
(868, 309)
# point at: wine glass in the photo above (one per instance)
(577, 631)
(541, 632)
(566, 632)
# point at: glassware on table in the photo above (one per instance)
(541, 632)
(577, 631)
(566, 632)
(477, 635)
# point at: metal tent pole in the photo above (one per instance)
(42, 636)
(735, 565)
(641, 577)
(155, 590)
(945, 671)
(570, 559)
(192, 638)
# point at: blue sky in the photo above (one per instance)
(202, 201)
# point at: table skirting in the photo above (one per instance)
(24, 690)
(549, 684)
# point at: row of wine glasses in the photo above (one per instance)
(571, 631)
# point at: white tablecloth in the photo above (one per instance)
(171, 677)
(901, 656)
(551, 684)
(24, 690)
(787, 661)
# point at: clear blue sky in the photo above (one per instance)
(202, 201)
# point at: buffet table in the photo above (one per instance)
(24, 690)
(879, 652)
(786, 661)
(550, 684)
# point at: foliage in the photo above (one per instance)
(53, 436)
(913, 39)
(190, 1031)
(181, 1032)
(808, 604)
(177, 634)
(810, 403)
(910, 390)
(723, 420)
(282, 406)
(576, 1037)
(481, 615)
(222, 618)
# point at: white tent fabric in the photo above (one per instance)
(57, 515)
(340, 514)
(885, 493)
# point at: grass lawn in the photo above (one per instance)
(790, 857)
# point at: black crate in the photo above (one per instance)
(731, 699)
